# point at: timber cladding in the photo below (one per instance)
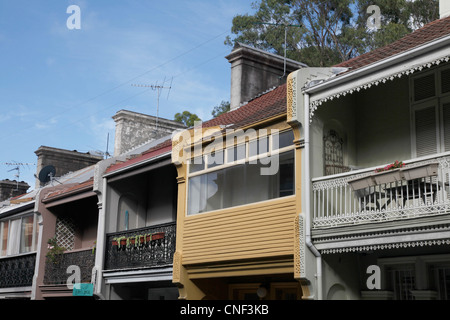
(261, 230)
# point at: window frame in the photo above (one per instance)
(247, 159)
(17, 238)
(437, 101)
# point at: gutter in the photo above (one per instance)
(308, 241)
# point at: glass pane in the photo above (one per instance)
(4, 239)
(236, 153)
(285, 139)
(259, 146)
(196, 164)
(240, 184)
(26, 235)
(215, 159)
(197, 194)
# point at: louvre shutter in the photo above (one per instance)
(445, 81)
(426, 131)
(446, 125)
(424, 87)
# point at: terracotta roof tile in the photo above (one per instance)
(86, 185)
(429, 32)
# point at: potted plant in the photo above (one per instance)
(389, 173)
(55, 251)
(157, 236)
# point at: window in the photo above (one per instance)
(17, 236)
(430, 96)
(238, 179)
(401, 279)
(333, 153)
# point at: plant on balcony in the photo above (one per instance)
(122, 241)
(55, 251)
(396, 165)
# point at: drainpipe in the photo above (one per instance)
(308, 200)
(100, 247)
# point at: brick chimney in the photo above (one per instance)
(134, 129)
(255, 71)
(12, 188)
(64, 161)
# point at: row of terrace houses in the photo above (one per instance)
(279, 198)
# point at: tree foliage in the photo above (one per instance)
(186, 118)
(223, 107)
(326, 32)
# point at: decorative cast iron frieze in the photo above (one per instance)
(56, 270)
(17, 271)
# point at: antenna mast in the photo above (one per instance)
(285, 37)
(158, 88)
(17, 166)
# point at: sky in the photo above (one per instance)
(60, 85)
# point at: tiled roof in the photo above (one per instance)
(429, 32)
(265, 106)
(270, 104)
(70, 189)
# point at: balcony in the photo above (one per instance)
(17, 271)
(419, 189)
(56, 271)
(138, 250)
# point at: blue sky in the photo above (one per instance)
(60, 87)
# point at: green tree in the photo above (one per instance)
(186, 118)
(326, 32)
(223, 107)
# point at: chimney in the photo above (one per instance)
(134, 129)
(444, 8)
(255, 71)
(12, 188)
(64, 161)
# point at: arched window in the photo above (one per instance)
(333, 154)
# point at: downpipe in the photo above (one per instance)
(308, 240)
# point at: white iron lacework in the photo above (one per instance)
(315, 104)
(335, 203)
(65, 232)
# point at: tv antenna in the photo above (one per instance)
(158, 88)
(17, 166)
(286, 26)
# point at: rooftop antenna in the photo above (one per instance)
(158, 88)
(17, 166)
(286, 26)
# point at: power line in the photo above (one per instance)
(158, 88)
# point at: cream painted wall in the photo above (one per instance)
(374, 124)
(383, 124)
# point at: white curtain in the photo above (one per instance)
(14, 237)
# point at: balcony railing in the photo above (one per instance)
(420, 188)
(56, 270)
(153, 246)
(17, 271)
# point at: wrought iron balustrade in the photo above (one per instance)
(17, 271)
(157, 252)
(336, 203)
(56, 269)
